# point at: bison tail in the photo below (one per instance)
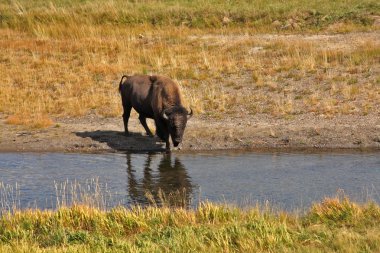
(121, 81)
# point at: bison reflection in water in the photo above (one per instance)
(168, 185)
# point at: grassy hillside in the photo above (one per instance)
(259, 14)
(334, 225)
(65, 58)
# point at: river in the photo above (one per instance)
(285, 180)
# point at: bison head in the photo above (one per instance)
(177, 117)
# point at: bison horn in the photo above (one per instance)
(190, 113)
(165, 114)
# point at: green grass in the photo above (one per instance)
(334, 225)
(82, 222)
(259, 14)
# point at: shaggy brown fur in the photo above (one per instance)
(155, 97)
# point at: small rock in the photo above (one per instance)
(376, 139)
(255, 50)
(313, 132)
(376, 21)
(272, 133)
(296, 26)
(276, 24)
(185, 23)
(226, 20)
(23, 134)
(286, 26)
(285, 140)
(291, 24)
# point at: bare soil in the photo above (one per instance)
(93, 133)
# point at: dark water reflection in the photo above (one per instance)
(287, 180)
(169, 183)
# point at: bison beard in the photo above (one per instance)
(158, 98)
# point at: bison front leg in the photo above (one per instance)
(167, 145)
(163, 133)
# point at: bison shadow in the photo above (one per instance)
(118, 141)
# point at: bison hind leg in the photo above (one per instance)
(126, 114)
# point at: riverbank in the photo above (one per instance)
(334, 225)
(94, 133)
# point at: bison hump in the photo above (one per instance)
(153, 78)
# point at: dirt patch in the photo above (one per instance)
(97, 134)
(346, 41)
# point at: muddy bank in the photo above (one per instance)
(260, 132)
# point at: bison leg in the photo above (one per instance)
(167, 146)
(162, 132)
(143, 123)
(127, 112)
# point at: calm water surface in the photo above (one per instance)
(290, 181)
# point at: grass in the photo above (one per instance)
(82, 221)
(33, 121)
(333, 225)
(258, 14)
(65, 58)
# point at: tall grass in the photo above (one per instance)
(333, 225)
(90, 193)
(83, 222)
(9, 198)
(67, 193)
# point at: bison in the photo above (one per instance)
(158, 98)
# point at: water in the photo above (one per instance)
(289, 181)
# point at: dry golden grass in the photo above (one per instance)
(72, 69)
(73, 77)
(33, 121)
